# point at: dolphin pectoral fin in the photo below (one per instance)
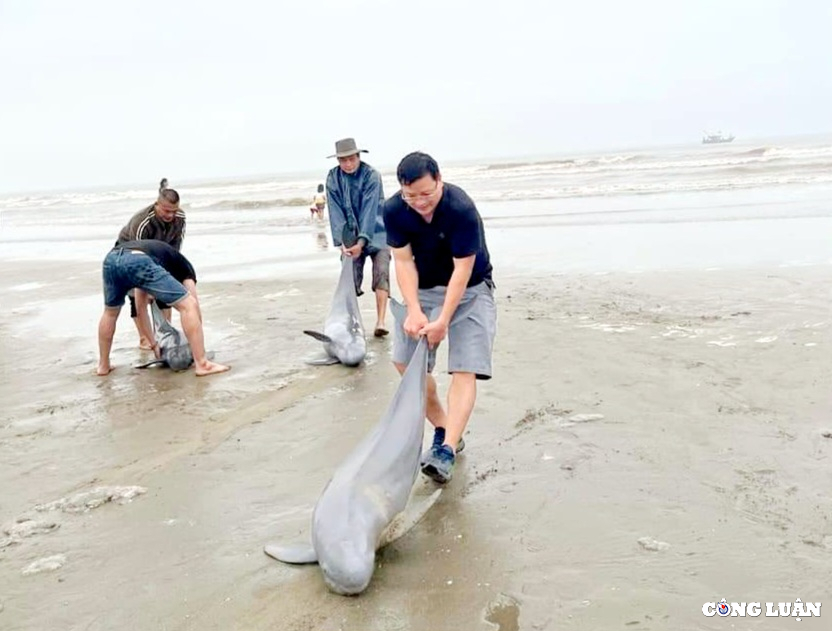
(155, 362)
(296, 554)
(319, 336)
(408, 518)
(323, 360)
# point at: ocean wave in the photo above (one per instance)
(657, 170)
(675, 185)
(759, 151)
(563, 163)
(253, 204)
(759, 159)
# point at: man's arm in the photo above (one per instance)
(129, 231)
(463, 268)
(408, 278)
(437, 330)
(179, 237)
(337, 217)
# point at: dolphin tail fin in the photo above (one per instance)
(408, 518)
(319, 336)
(155, 362)
(296, 554)
(324, 360)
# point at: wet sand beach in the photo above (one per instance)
(657, 434)
(650, 442)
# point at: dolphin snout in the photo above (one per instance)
(353, 354)
(351, 584)
(180, 358)
(347, 568)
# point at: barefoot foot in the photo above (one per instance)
(210, 368)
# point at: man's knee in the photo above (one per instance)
(188, 303)
(381, 272)
(464, 377)
(400, 367)
(112, 312)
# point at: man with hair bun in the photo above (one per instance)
(163, 221)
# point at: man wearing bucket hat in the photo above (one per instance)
(355, 194)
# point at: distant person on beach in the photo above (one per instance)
(164, 221)
(155, 268)
(318, 203)
(354, 193)
(163, 184)
(439, 250)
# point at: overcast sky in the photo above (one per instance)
(119, 91)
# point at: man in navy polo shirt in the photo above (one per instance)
(438, 243)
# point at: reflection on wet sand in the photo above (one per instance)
(321, 240)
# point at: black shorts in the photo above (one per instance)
(134, 313)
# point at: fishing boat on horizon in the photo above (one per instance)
(709, 138)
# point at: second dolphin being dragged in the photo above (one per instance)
(343, 334)
(357, 511)
(174, 350)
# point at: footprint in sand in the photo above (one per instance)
(504, 613)
(87, 500)
(46, 564)
(724, 342)
(653, 545)
(26, 528)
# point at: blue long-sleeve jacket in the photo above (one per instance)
(366, 194)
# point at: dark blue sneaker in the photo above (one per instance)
(439, 465)
(438, 441)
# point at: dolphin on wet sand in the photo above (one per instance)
(343, 335)
(174, 350)
(362, 507)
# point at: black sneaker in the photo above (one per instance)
(439, 465)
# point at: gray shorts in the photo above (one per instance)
(381, 269)
(470, 340)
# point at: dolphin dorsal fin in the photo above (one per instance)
(296, 554)
(319, 336)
